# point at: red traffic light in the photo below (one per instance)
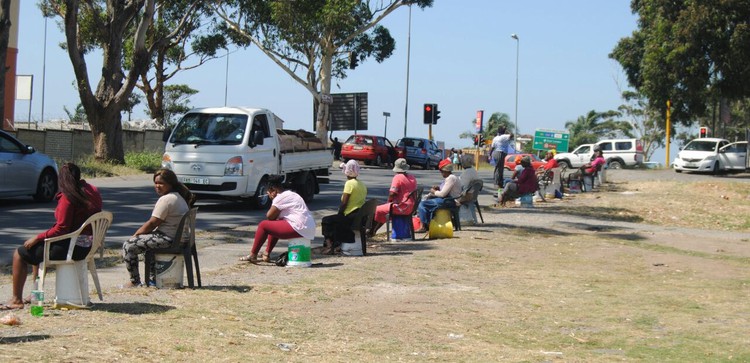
(428, 108)
(703, 132)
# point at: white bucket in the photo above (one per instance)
(299, 253)
(353, 248)
(169, 271)
(66, 284)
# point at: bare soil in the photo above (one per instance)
(638, 271)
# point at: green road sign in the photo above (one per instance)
(551, 139)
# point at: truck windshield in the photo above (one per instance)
(210, 129)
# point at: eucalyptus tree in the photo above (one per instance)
(646, 122)
(314, 40)
(105, 25)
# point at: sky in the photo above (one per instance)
(462, 57)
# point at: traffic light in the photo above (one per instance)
(352, 60)
(435, 113)
(476, 140)
(703, 132)
(429, 113)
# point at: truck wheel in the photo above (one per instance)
(46, 188)
(307, 190)
(615, 164)
(262, 201)
(563, 164)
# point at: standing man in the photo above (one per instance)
(336, 146)
(500, 148)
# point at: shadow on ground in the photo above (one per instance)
(133, 308)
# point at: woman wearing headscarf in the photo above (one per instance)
(337, 228)
(440, 196)
(402, 185)
(526, 183)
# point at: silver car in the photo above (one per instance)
(24, 171)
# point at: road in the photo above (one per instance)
(132, 198)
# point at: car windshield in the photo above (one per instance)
(701, 145)
(210, 129)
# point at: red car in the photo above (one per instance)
(373, 150)
(510, 161)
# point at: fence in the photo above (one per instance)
(75, 144)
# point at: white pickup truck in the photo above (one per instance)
(581, 155)
(232, 152)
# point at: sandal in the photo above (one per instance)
(266, 258)
(249, 258)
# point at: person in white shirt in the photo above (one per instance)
(442, 196)
(500, 149)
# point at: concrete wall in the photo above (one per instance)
(76, 144)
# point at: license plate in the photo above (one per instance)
(691, 165)
(358, 148)
(202, 181)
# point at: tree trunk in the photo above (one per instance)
(106, 129)
(321, 125)
(4, 35)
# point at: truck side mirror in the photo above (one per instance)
(258, 137)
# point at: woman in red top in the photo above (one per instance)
(76, 202)
(526, 183)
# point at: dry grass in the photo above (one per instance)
(502, 291)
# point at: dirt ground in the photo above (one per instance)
(638, 271)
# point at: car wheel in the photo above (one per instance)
(563, 164)
(46, 188)
(378, 161)
(678, 171)
(261, 199)
(615, 164)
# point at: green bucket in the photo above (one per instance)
(299, 253)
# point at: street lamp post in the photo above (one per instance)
(518, 43)
(385, 130)
(408, 55)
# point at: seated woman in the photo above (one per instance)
(516, 171)
(337, 228)
(442, 196)
(526, 183)
(402, 185)
(76, 202)
(287, 218)
(159, 230)
(469, 174)
(592, 167)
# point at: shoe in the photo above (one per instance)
(249, 258)
(421, 230)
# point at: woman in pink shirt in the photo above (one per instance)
(402, 186)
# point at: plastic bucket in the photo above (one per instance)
(169, 271)
(441, 225)
(588, 183)
(66, 284)
(574, 186)
(401, 227)
(299, 253)
(527, 200)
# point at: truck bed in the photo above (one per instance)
(294, 161)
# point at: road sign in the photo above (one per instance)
(551, 139)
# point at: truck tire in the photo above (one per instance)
(615, 164)
(307, 189)
(261, 199)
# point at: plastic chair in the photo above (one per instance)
(417, 195)
(362, 221)
(471, 196)
(98, 223)
(183, 244)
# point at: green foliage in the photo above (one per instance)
(76, 117)
(689, 52)
(148, 162)
(176, 101)
(497, 120)
(648, 126)
(589, 128)
(135, 163)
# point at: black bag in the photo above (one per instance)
(282, 259)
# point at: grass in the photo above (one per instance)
(135, 163)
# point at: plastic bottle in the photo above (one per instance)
(37, 300)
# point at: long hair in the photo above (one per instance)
(71, 184)
(170, 178)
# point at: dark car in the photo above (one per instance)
(419, 151)
(373, 150)
(24, 171)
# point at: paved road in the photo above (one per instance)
(131, 199)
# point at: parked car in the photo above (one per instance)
(25, 171)
(510, 161)
(712, 155)
(618, 153)
(419, 151)
(581, 155)
(376, 150)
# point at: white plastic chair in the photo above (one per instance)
(99, 223)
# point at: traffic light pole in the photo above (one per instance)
(429, 132)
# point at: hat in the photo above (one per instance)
(351, 168)
(553, 152)
(400, 165)
(445, 165)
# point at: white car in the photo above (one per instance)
(24, 171)
(712, 155)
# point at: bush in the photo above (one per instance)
(135, 163)
(148, 162)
